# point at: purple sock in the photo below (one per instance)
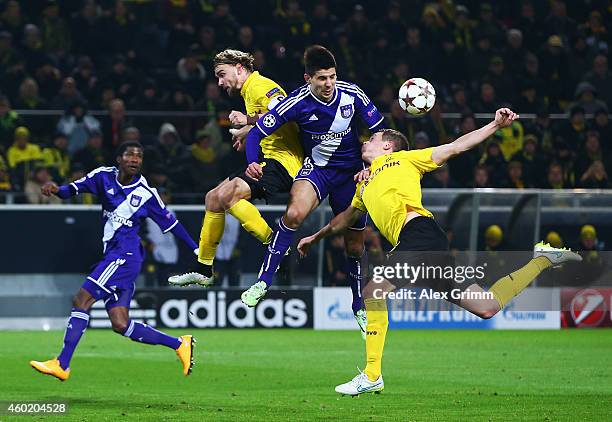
(77, 324)
(281, 241)
(142, 333)
(353, 269)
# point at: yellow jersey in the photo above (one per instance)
(260, 95)
(393, 189)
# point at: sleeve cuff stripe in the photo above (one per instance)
(171, 227)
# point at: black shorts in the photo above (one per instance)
(422, 243)
(275, 180)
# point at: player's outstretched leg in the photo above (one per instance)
(353, 243)
(544, 256)
(75, 328)
(142, 333)
(281, 241)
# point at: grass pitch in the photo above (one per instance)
(290, 375)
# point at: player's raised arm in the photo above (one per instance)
(442, 153)
(338, 224)
(87, 184)
(265, 126)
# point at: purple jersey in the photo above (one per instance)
(328, 130)
(124, 207)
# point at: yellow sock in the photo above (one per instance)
(210, 236)
(511, 285)
(376, 330)
(251, 219)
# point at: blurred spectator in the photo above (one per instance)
(85, 78)
(32, 49)
(601, 123)
(358, 26)
(554, 177)
(601, 78)
(555, 240)
(93, 155)
(171, 155)
(481, 177)
(56, 158)
(22, 156)
(322, 23)
(77, 124)
(554, 68)
(464, 28)
(121, 78)
(595, 177)
(120, 27)
(493, 237)
(29, 99)
(191, 73)
(489, 25)
(224, 23)
(500, 79)
(593, 261)
(9, 121)
(131, 134)
(212, 102)
(543, 130)
(421, 140)
(580, 57)
(557, 21)
(573, 131)
(529, 101)
(494, 161)
(566, 158)
(459, 103)
(12, 19)
(528, 24)
(114, 124)
(86, 29)
(68, 95)
(206, 48)
(77, 172)
(227, 261)
(515, 176)
(11, 64)
(530, 75)
(589, 152)
(49, 80)
(585, 96)
(588, 239)
(480, 57)
(515, 53)
(55, 31)
(40, 176)
(487, 99)
(531, 160)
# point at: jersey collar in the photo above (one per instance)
(322, 102)
(248, 81)
(135, 181)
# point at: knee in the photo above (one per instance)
(211, 197)
(120, 326)
(293, 218)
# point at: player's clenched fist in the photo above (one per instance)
(49, 188)
(504, 117)
(237, 118)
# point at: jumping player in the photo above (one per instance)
(325, 111)
(392, 197)
(127, 200)
(280, 160)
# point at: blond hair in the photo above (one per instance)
(234, 57)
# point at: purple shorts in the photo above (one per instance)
(113, 280)
(335, 183)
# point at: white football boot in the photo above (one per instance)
(556, 256)
(361, 384)
(253, 294)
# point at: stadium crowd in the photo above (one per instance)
(541, 58)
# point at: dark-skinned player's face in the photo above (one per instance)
(323, 83)
(131, 161)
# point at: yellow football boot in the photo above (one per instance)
(51, 367)
(185, 353)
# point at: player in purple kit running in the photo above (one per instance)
(126, 200)
(324, 110)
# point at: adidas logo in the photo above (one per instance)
(313, 118)
(111, 191)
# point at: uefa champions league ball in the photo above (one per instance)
(417, 96)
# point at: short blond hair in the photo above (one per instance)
(234, 57)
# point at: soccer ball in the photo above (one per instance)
(417, 96)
